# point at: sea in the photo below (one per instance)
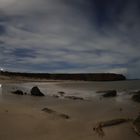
(84, 89)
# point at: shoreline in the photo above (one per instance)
(21, 117)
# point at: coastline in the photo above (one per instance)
(21, 117)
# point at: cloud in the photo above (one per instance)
(2, 30)
(70, 36)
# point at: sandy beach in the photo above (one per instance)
(69, 69)
(21, 117)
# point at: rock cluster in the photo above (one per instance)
(35, 91)
(19, 92)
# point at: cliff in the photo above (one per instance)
(74, 76)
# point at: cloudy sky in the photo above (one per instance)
(70, 36)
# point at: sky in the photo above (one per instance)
(70, 36)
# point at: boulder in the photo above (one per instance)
(35, 91)
(18, 92)
(136, 98)
(110, 93)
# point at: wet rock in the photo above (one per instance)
(136, 98)
(136, 125)
(18, 92)
(35, 91)
(100, 125)
(74, 98)
(55, 96)
(61, 93)
(64, 116)
(48, 110)
(110, 93)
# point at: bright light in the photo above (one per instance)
(0, 85)
(1, 69)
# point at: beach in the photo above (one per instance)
(22, 116)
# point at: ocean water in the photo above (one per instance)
(75, 88)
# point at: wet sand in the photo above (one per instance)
(21, 117)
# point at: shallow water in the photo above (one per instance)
(75, 88)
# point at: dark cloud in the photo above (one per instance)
(70, 36)
(2, 30)
(22, 52)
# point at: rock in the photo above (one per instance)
(55, 96)
(48, 110)
(64, 116)
(99, 126)
(74, 98)
(136, 98)
(120, 109)
(136, 125)
(110, 93)
(35, 91)
(61, 93)
(18, 92)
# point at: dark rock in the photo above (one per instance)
(110, 93)
(18, 92)
(61, 93)
(35, 91)
(74, 98)
(136, 125)
(120, 109)
(55, 96)
(48, 110)
(64, 116)
(99, 126)
(136, 98)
